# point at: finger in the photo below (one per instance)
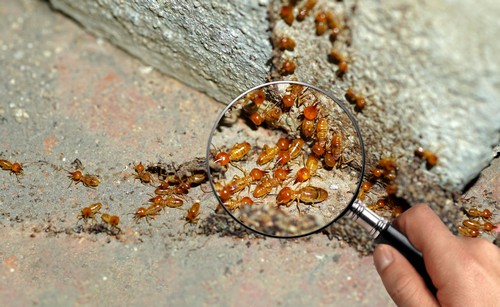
(430, 236)
(418, 223)
(402, 282)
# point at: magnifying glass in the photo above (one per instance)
(286, 159)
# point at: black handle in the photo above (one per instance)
(396, 239)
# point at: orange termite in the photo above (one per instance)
(89, 212)
(288, 67)
(303, 174)
(87, 180)
(237, 152)
(233, 204)
(467, 232)
(321, 25)
(307, 128)
(296, 147)
(13, 168)
(283, 143)
(305, 9)
(167, 201)
(365, 187)
(336, 57)
(193, 213)
(475, 212)
(267, 155)
(286, 43)
(266, 185)
(257, 96)
(428, 155)
(147, 213)
(111, 220)
(287, 14)
(308, 195)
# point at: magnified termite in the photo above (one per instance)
(307, 128)
(334, 154)
(303, 174)
(296, 147)
(266, 185)
(294, 91)
(283, 143)
(236, 203)
(309, 195)
(237, 152)
(267, 154)
(283, 158)
(238, 184)
(322, 129)
(272, 114)
(281, 173)
(258, 96)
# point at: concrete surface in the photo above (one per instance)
(65, 95)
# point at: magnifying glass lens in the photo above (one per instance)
(285, 159)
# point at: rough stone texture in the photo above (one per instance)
(425, 86)
(435, 70)
(218, 47)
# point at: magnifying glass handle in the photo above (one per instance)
(385, 233)
(396, 239)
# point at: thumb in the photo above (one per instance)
(401, 280)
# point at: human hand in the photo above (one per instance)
(465, 271)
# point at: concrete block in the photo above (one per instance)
(217, 47)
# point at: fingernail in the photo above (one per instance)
(383, 258)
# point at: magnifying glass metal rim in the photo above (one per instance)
(329, 95)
